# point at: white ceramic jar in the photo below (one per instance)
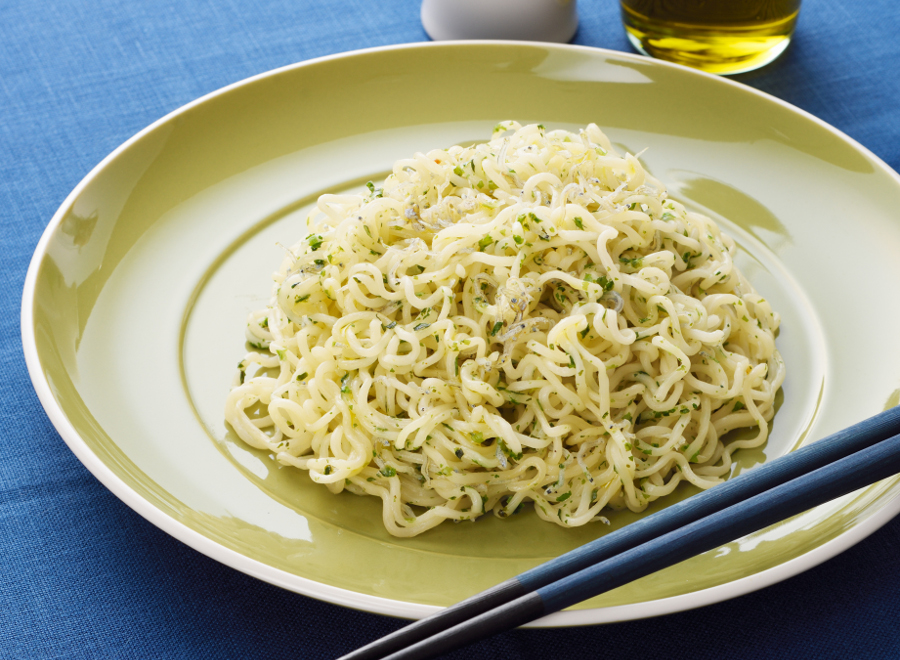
(530, 20)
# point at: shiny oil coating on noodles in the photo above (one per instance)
(530, 319)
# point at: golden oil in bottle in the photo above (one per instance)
(719, 36)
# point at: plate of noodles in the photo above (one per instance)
(389, 327)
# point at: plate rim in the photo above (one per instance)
(366, 602)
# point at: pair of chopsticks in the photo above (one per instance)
(822, 471)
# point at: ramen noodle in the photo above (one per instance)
(526, 320)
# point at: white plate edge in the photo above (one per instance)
(376, 604)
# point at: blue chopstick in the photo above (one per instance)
(550, 587)
(789, 499)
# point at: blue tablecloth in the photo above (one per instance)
(82, 576)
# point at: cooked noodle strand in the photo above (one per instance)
(531, 319)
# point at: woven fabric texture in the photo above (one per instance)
(83, 576)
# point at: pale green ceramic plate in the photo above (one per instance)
(136, 300)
